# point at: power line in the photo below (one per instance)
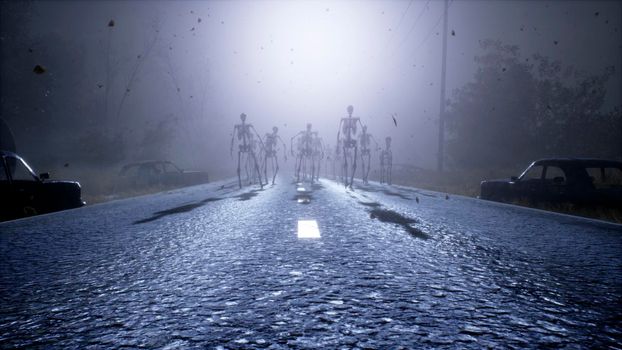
(412, 27)
(399, 24)
(438, 21)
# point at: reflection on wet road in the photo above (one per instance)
(212, 266)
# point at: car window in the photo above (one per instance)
(553, 172)
(18, 170)
(605, 177)
(169, 168)
(535, 172)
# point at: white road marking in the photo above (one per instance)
(308, 229)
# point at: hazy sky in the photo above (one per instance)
(288, 63)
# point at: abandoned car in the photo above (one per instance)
(561, 180)
(22, 193)
(157, 173)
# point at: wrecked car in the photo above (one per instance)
(561, 180)
(23, 193)
(157, 173)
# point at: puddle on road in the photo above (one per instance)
(371, 204)
(247, 195)
(390, 216)
(176, 210)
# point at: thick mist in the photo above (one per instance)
(128, 81)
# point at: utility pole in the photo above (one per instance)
(441, 116)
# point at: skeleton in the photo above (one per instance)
(316, 156)
(244, 135)
(270, 150)
(305, 152)
(365, 142)
(350, 148)
(386, 162)
(337, 159)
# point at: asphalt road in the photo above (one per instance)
(213, 266)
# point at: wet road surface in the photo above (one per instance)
(214, 266)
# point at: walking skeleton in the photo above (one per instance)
(365, 142)
(316, 156)
(386, 162)
(270, 150)
(243, 132)
(348, 126)
(336, 163)
(305, 151)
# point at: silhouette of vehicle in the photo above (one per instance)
(161, 173)
(22, 193)
(578, 181)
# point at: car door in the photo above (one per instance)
(22, 188)
(555, 184)
(530, 184)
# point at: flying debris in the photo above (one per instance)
(555, 42)
(38, 69)
(66, 165)
(394, 120)
(100, 85)
(596, 13)
(453, 32)
(111, 23)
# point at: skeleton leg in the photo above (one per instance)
(265, 167)
(319, 167)
(353, 166)
(257, 169)
(368, 168)
(345, 167)
(364, 168)
(276, 169)
(239, 177)
(299, 162)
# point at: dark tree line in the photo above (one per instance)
(520, 109)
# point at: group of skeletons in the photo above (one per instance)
(250, 148)
(310, 152)
(347, 151)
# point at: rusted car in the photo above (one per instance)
(561, 180)
(157, 173)
(23, 193)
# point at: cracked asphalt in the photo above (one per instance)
(214, 266)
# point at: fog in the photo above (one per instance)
(126, 81)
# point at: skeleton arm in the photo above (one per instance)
(258, 137)
(291, 144)
(339, 134)
(376, 142)
(284, 146)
